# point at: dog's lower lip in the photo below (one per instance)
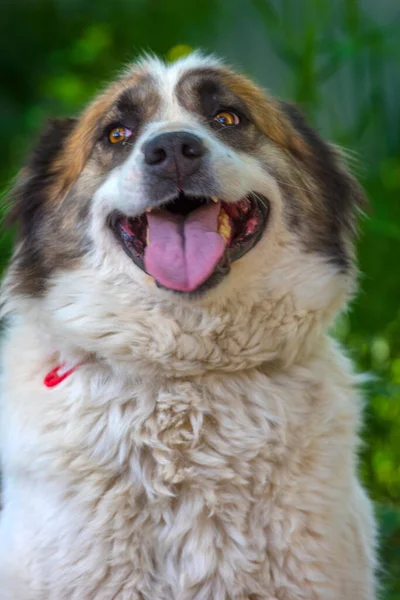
(241, 225)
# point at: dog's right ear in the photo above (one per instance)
(35, 180)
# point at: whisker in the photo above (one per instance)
(261, 200)
(292, 185)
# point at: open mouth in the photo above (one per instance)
(191, 241)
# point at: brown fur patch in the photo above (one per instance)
(79, 145)
(265, 111)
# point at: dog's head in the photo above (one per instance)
(184, 193)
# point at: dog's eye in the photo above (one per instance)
(119, 134)
(227, 119)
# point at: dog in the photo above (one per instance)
(177, 423)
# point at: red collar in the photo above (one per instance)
(58, 374)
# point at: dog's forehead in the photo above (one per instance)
(162, 84)
(166, 77)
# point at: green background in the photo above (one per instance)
(340, 60)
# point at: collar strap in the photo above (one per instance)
(58, 374)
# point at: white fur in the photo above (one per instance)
(204, 450)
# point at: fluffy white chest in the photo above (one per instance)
(213, 488)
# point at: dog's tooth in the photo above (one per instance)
(148, 210)
(215, 199)
(224, 226)
(147, 237)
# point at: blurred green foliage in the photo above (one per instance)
(339, 59)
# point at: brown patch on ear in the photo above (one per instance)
(266, 112)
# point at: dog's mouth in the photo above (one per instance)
(188, 240)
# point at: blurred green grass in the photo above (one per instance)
(339, 59)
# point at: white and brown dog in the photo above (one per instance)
(176, 424)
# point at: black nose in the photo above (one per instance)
(175, 154)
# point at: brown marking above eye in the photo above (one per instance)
(265, 112)
(200, 90)
(216, 87)
(78, 145)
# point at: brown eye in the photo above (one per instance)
(227, 119)
(119, 134)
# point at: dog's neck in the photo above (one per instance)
(148, 331)
(173, 341)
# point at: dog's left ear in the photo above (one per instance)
(340, 192)
(36, 179)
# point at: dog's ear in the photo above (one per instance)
(35, 180)
(341, 195)
(35, 211)
(333, 199)
(327, 164)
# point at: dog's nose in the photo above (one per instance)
(175, 154)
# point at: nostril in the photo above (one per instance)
(192, 150)
(156, 156)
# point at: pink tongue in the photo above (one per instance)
(184, 251)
